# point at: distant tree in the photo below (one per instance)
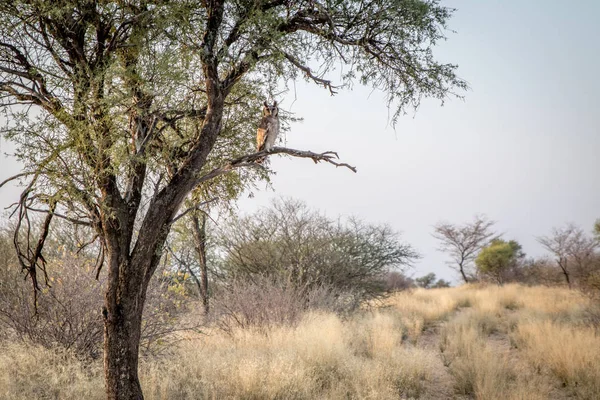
(429, 281)
(597, 229)
(496, 259)
(396, 281)
(573, 250)
(441, 284)
(308, 249)
(187, 252)
(426, 281)
(463, 242)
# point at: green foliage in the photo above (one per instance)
(441, 283)
(496, 258)
(426, 281)
(429, 281)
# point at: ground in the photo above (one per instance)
(510, 342)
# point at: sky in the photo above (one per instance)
(521, 147)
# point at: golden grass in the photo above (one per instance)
(321, 358)
(572, 354)
(483, 367)
(508, 342)
(33, 372)
(420, 309)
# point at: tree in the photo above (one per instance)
(396, 281)
(496, 259)
(597, 229)
(426, 281)
(188, 249)
(573, 250)
(441, 283)
(429, 281)
(462, 243)
(120, 109)
(290, 242)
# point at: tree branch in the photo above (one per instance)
(17, 176)
(195, 207)
(251, 159)
(308, 72)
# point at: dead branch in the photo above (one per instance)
(74, 221)
(17, 176)
(195, 207)
(251, 159)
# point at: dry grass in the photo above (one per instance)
(481, 363)
(571, 354)
(33, 372)
(320, 358)
(508, 342)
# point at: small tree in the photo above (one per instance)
(573, 251)
(291, 242)
(441, 283)
(396, 281)
(496, 259)
(426, 281)
(462, 243)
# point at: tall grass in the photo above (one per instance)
(571, 354)
(509, 342)
(322, 357)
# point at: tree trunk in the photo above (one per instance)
(122, 312)
(567, 278)
(462, 272)
(562, 263)
(122, 330)
(200, 244)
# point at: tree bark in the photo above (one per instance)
(121, 348)
(122, 331)
(565, 272)
(200, 247)
(128, 279)
(462, 272)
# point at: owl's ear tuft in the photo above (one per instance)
(266, 105)
(274, 104)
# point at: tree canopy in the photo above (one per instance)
(497, 258)
(291, 242)
(463, 242)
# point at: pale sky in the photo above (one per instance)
(521, 148)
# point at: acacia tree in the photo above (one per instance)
(496, 259)
(289, 241)
(462, 243)
(119, 109)
(426, 281)
(573, 250)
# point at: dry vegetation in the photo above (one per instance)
(510, 342)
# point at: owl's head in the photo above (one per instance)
(270, 110)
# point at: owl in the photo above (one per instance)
(269, 127)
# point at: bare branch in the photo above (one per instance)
(195, 207)
(71, 220)
(326, 83)
(251, 160)
(17, 176)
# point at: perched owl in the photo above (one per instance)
(269, 127)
